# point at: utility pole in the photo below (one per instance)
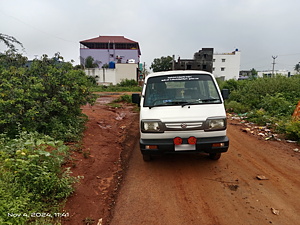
(173, 62)
(274, 57)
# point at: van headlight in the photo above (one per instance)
(215, 124)
(152, 126)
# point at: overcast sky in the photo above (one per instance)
(260, 29)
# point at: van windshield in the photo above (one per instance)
(181, 90)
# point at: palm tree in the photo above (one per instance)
(90, 62)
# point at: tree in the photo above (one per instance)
(253, 74)
(162, 64)
(297, 67)
(12, 58)
(9, 41)
(45, 97)
(90, 62)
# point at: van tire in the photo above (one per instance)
(215, 156)
(147, 157)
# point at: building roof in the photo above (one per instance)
(109, 39)
(106, 42)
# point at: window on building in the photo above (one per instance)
(222, 68)
(214, 60)
(223, 60)
(213, 68)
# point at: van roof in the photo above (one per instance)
(177, 72)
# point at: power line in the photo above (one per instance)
(20, 21)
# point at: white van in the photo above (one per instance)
(182, 111)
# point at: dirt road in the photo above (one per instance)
(118, 188)
(186, 189)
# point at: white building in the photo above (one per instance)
(107, 76)
(269, 73)
(227, 65)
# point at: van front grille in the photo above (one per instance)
(180, 126)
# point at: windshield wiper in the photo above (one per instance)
(151, 106)
(198, 101)
(209, 99)
(168, 103)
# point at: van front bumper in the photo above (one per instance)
(204, 145)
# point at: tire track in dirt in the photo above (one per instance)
(101, 161)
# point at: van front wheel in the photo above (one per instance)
(215, 156)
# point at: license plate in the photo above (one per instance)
(185, 147)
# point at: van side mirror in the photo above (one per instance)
(136, 98)
(225, 93)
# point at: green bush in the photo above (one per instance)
(236, 107)
(261, 117)
(252, 92)
(45, 98)
(276, 105)
(31, 177)
(291, 129)
(42, 99)
(266, 101)
(128, 83)
(231, 84)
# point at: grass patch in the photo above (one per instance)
(124, 98)
(114, 105)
